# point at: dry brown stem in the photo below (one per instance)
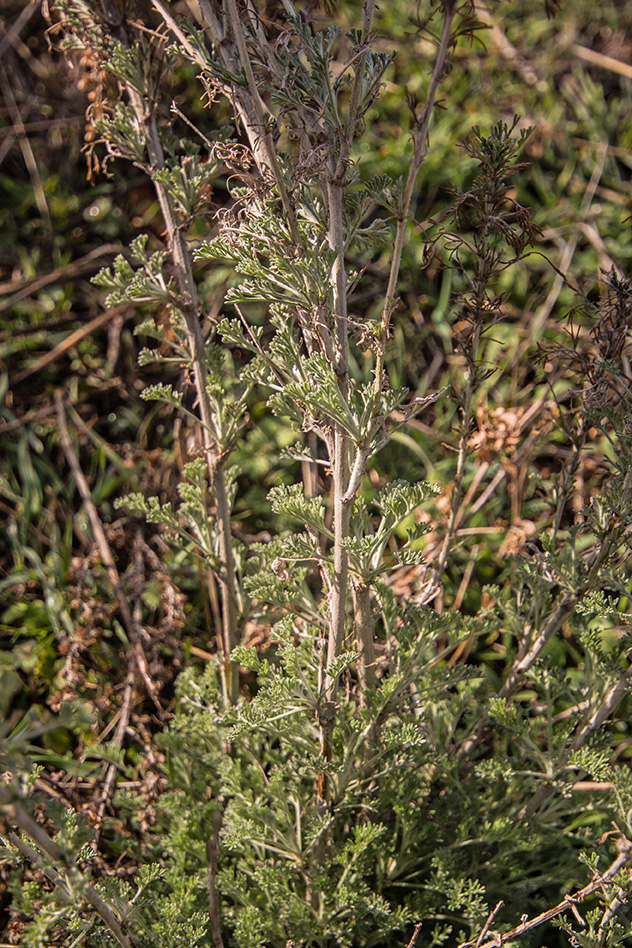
(624, 857)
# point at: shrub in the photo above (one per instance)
(355, 779)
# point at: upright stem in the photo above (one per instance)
(343, 496)
(261, 129)
(339, 465)
(214, 460)
(340, 460)
(457, 495)
(368, 12)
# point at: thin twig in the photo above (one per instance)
(363, 626)
(611, 910)
(570, 599)
(27, 152)
(604, 62)
(20, 289)
(368, 12)
(14, 30)
(536, 324)
(415, 935)
(117, 740)
(72, 340)
(490, 918)
(420, 150)
(613, 698)
(527, 924)
(611, 701)
(212, 848)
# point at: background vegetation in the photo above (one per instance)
(89, 715)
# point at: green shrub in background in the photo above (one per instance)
(354, 779)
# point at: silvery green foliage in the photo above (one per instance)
(312, 811)
(408, 834)
(145, 284)
(187, 521)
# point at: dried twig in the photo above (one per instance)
(25, 146)
(19, 289)
(211, 872)
(604, 62)
(14, 30)
(117, 740)
(73, 339)
(415, 935)
(526, 925)
(131, 625)
(490, 918)
(420, 150)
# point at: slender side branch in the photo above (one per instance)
(181, 37)
(363, 625)
(563, 611)
(610, 912)
(570, 600)
(262, 126)
(368, 12)
(117, 740)
(420, 150)
(415, 935)
(488, 924)
(453, 521)
(213, 23)
(358, 469)
(610, 703)
(612, 700)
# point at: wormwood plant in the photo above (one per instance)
(370, 785)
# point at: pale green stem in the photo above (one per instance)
(340, 460)
(368, 11)
(457, 495)
(214, 459)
